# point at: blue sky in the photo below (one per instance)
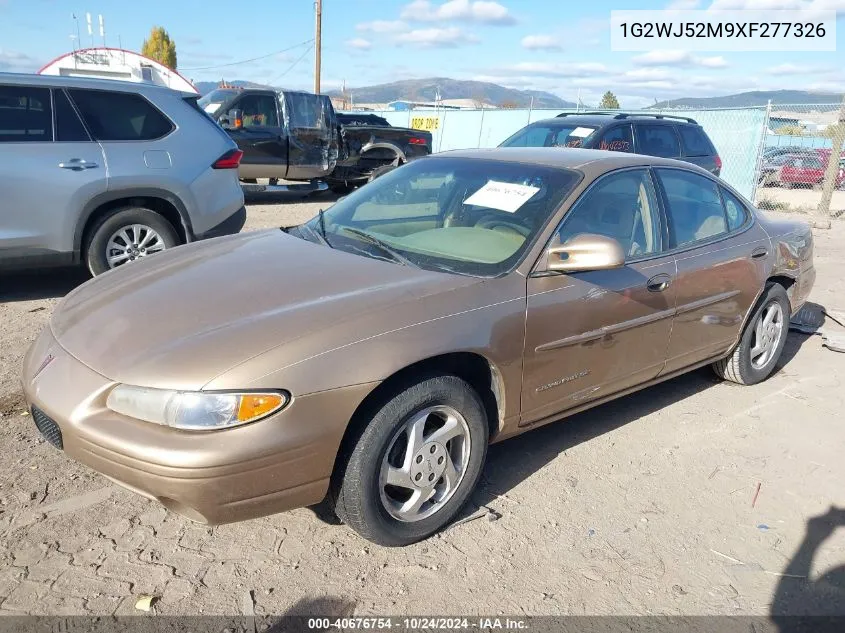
(561, 46)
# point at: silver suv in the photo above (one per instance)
(105, 172)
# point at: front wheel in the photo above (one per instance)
(125, 235)
(762, 342)
(416, 463)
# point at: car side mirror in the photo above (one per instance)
(233, 120)
(584, 252)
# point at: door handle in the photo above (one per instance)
(659, 283)
(759, 253)
(78, 164)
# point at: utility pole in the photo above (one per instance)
(822, 220)
(318, 11)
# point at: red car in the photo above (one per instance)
(806, 171)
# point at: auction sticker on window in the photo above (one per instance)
(502, 196)
(582, 131)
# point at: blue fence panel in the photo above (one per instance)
(777, 140)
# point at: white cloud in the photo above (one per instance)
(483, 11)
(546, 69)
(450, 37)
(796, 69)
(678, 58)
(360, 43)
(771, 5)
(14, 62)
(382, 26)
(683, 5)
(541, 42)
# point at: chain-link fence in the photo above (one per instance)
(801, 166)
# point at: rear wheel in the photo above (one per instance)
(125, 235)
(416, 463)
(762, 340)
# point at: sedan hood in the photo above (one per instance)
(178, 319)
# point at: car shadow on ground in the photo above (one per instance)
(43, 284)
(282, 197)
(516, 459)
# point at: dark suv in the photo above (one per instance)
(652, 134)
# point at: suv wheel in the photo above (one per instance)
(416, 463)
(127, 234)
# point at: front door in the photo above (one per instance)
(262, 138)
(313, 135)
(591, 334)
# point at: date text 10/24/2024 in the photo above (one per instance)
(419, 623)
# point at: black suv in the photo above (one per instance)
(653, 134)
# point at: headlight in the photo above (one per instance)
(194, 410)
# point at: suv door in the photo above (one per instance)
(313, 134)
(262, 138)
(657, 139)
(618, 138)
(591, 334)
(49, 169)
(720, 254)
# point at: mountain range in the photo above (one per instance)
(493, 94)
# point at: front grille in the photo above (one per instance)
(49, 429)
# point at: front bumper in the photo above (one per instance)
(279, 463)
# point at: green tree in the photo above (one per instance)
(609, 101)
(160, 47)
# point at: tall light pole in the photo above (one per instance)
(318, 11)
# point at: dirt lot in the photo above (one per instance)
(643, 506)
(802, 199)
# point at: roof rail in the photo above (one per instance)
(626, 115)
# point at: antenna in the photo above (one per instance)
(78, 36)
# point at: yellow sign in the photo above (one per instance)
(427, 123)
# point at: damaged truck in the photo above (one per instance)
(298, 136)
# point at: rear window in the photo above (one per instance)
(69, 128)
(545, 135)
(120, 116)
(25, 114)
(657, 140)
(695, 141)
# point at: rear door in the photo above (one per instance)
(49, 169)
(697, 148)
(720, 254)
(618, 138)
(657, 139)
(313, 131)
(262, 138)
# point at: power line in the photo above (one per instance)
(253, 59)
(291, 67)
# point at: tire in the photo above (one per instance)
(744, 367)
(371, 507)
(341, 188)
(381, 170)
(96, 246)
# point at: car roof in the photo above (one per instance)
(47, 81)
(600, 119)
(590, 161)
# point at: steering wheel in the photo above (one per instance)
(495, 223)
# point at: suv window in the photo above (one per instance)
(25, 114)
(120, 116)
(695, 141)
(621, 205)
(694, 206)
(68, 126)
(550, 135)
(618, 139)
(657, 140)
(734, 209)
(259, 111)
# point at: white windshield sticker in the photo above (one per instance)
(503, 196)
(211, 108)
(581, 132)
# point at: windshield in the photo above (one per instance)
(213, 100)
(544, 134)
(467, 216)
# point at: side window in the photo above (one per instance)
(694, 140)
(657, 140)
(621, 205)
(259, 111)
(618, 139)
(734, 209)
(813, 163)
(694, 206)
(25, 114)
(120, 116)
(303, 110)
(68, 126)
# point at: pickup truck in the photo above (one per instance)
(298, 136)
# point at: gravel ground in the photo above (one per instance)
(692, 497)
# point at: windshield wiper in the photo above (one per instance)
(323, 226)
(382, 245)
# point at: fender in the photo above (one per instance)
(133, 192)
(384, 145)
